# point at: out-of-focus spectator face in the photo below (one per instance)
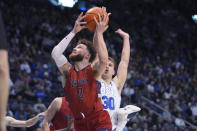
(154, 128)
(21, 107)
(176, 128)
(134, 126)
(160, 120)
(145, 126)
(19, 98)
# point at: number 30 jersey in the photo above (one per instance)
(110, 97)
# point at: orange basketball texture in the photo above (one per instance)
(89, 17)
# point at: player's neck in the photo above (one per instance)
(107, 80)
(81, 65)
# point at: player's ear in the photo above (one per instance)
(87, 56)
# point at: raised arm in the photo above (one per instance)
(123, 65)
(18, 123)
(57, 52)
(50, 113)
(100, 46)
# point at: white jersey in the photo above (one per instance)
(110, 98)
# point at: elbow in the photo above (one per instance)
(54, 52)
(104, 62)
(104, 57)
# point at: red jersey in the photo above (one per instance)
(81, 92)
(62, 117)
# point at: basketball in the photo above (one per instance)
(91, 13)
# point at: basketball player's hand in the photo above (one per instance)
(79, 24)
(104, 9)
(40, 115)
(122, 33)
(101, 24)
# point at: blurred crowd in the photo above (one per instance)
(162, 67)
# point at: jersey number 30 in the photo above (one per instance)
(108, 102)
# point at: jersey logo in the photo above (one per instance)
(106, 90)
(79, 82)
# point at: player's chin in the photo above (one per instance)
(75, 57)
(105, 75)
(72, 56)
(105, 72)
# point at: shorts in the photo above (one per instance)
(97, 121)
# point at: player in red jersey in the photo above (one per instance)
(81, 78)
(59, 115)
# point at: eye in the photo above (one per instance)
(79, 47)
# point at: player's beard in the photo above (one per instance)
(75, 58)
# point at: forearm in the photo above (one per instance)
(100, 47)
(4, 83)
(62, 45)
(125, 50)
(15, 123)
(32, 121)
(57, 52)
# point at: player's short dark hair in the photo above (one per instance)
(90, 48)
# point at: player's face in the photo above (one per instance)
(79, 53)
(109, 70)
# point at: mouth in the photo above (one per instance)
(106, 70)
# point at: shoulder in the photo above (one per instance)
(88, 68)
(57, 100)
(56, 103)
(69, 69)
(117, 84)
(116, 81)
(95, 70)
